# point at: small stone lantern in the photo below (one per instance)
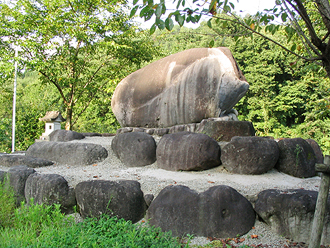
(53, 121)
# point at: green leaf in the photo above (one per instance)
(133, 11)
(209, 23)
(179, 18)
(232, 5)
(149, 14)
(169, 24)
(211, 44)
(212, 4)
(153, 28)
(158, 11)
(284, 16)
(293, 47)
(135, 2)
(178, 5)
(160, 24)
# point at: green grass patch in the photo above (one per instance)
(46, 226)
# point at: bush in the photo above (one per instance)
(46, 226)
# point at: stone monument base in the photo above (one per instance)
(217, 129)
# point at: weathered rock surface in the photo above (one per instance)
(186, 87)
(134, 149)
(2, 176)
(92, 134)
(296, 158)
(13, 160)
(187, 151)
(250, 155)
(225, 130)
(218, 212)
(317, 150)
(68, 153)
(17, 179)
(50, 189)
(123, 199)
(65, 135)
(290, 213)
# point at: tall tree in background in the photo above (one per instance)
(306, 20)
(80, 47)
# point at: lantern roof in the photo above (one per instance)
(52, 116)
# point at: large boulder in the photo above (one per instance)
(290, 213)
(187, 151)
(17, 178)
(297, 158)
(50, 189)
(250, 155)
(68, 153)
(218, 212)
(186, 87)
(135, 148)
(13, 160)
(317, 150)
(65, 135)
(123, 199)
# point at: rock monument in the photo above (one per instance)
(182, 88)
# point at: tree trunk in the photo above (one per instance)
(326, 65)
(68, 123)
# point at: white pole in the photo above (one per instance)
(14, 105)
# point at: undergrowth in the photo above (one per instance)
(45, 226)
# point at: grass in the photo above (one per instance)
(45, 226)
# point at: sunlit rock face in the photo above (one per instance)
(182, 88)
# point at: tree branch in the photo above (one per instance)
(267, 38)
(301, 33)
(303, 13)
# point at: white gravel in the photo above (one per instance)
(153, 180)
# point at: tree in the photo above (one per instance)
(306, 20)
(80, 47)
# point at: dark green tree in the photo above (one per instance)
(79, 47)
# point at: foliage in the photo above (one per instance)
(7, 203)
(78, 47)
(46, 226)
(33, 101)
(305, 21)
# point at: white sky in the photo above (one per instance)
(241, 6)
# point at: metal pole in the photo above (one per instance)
(14, 104)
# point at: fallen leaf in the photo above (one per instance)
(95, 177)
(241, 240)
(210, 182)
(254, 236)
(94, 164)
(253, 227)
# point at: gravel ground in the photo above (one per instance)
(153, 180)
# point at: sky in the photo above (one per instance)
(242, 6)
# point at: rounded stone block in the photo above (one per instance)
(297, 158)
(250, 155)
(50, 189)
(226, 130)
(187, 151)
(123, 199)
(134, 149)
(218, 212)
